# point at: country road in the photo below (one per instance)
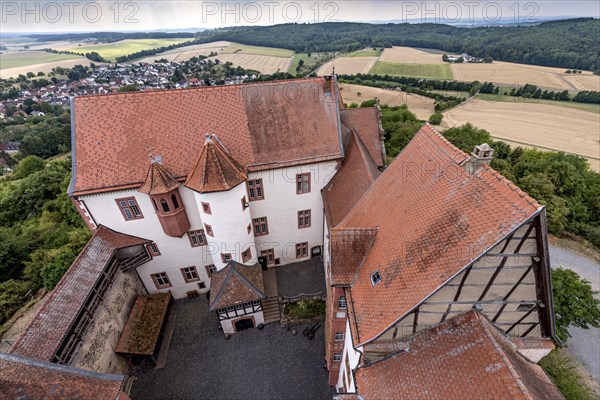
(585, 343)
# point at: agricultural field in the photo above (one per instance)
(595, 108)
(429, 71)
(364, 53)
(421, 106)
(110, 51)
(348, 65)
(236, 48)
(584, 81)
(13, 64)
(187, 52)
(542, 126)
(410, 55)
(264, 64)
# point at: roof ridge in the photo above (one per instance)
(225, 280)
(366, 157)
(247, 282)
(505, 359)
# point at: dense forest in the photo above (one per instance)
(566, 44)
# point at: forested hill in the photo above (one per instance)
(567, 44)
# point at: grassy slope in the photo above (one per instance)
(430, 71)
(25, 58)
(121, 48)
(257, 50)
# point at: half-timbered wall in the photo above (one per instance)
(501, 285)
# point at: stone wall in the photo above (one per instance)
(96, 351)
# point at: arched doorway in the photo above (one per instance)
(243, 324)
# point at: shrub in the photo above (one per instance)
(305, 309)
(436, 118)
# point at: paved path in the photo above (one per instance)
(585, 343)
(253, 364)
(306, 277)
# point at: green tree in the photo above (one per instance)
(436, 118)
(28, 166)
(574, 302)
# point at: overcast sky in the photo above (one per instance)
(72, 15)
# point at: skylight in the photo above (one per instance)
(375, 278)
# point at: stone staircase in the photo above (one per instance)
(271, 311)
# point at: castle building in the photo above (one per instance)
(437, 267)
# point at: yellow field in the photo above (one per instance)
(421, 106)
(187, 52)
(410, 55)
(45, 67)
(498, 72)
(110, 51)
(348, 65)
(542, 126)
(264, 64)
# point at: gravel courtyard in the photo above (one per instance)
(253, 364)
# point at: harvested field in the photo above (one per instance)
(430, 71)
(348, 65)
(513, 74)
(187, 52)
(410, 55)
(421, 106)
(264, 64)
(584, 81)
(45, 67)
(364, 53)
(236, 48)
(542, 126)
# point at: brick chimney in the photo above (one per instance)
(482, 154)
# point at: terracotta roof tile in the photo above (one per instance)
(434, 218)
(357, 174)
(262, 125)
(46, 331)
(22, 378)
(158, 180)
(463, 358)
(216, 170)
(349, 247)
(365, 121)
(235, 284)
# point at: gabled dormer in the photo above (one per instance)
(163, 189)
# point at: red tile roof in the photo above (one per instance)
(434, 218)
(365, 121)
(46, 331)
(25, 378)
(264, 125)
(463, 358)
(348, 250)
(357, 174)
(216, 170)
(235, 284)
(158, 180)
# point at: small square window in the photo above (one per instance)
(201, 285)
(246, 255)
(244, 203)
(339, 336)
(225, 257)
(190, 274)
(342, 303)
(197, 238)
(209, 230)
(206, 208)
(302, 250)
(210, 270)
(337, 357)
(375, 278)
(153, 249)
(161, 280)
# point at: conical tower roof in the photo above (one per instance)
(158, 180)
(216, 170)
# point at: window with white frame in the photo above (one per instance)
(342, 302)
(375, 278)
(339, 336)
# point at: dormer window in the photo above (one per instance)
(375, 278)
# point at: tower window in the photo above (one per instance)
(164, 205)
(174, 201)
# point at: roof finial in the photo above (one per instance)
(333, 70)
(207, 137)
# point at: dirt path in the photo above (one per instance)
(585, 343)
